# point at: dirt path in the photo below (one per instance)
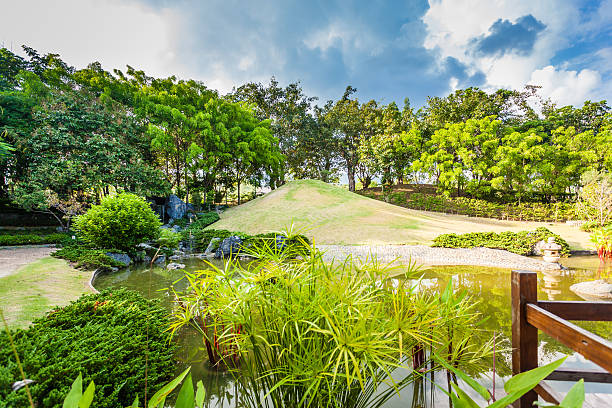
(12, 258)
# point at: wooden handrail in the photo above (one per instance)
(529, 315)
(579, 310)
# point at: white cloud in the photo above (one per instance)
(453, 24)
(566, 87)
(83, 31)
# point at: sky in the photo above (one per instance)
(388, 50)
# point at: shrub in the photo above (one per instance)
(517, 242)
(87, 257)
(202, 237)
(121, 222)
(105, 337)
(169, 238)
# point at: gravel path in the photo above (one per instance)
(426, 255)
(12, 258)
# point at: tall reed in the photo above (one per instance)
(300, 332)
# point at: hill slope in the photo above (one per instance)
(333, 215)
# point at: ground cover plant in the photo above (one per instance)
(88, 258)
(108, 338)
(300, 332)
(250, 242)
(520, 243)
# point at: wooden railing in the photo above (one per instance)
(551, 317)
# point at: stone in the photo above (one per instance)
(160, 259)
(593, 290)
(20, 384)
(176, 228)
(172, 266)
(281, 243)
(175, 207)
(230, 246)
(146, 247)
(179, 253)
(122, 258)
(176, 257)
(211, 245)
(114, 269)
(146, 259)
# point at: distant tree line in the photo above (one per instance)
(71, 136)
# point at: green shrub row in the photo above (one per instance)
(520, 242)
(88, 258)
(105, 337)
(203, 220)
(526, 211)
(33, 239)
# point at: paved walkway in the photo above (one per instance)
(12, 258)
(425, 255)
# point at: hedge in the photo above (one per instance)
(518, 242)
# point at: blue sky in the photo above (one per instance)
(388, 50)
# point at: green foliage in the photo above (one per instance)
(32, 239)
(122, 221)
(186, 398)
(202, 221)
(104, 337)
(306, 333)
(87, 258)
(602, 238)
(520, 242)
(514, 388)
(202, 237)
(169, 238)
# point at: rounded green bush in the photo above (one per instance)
(119, 222)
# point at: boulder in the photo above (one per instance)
(593, 290)
(122, 258)
(175, 207)
(281, 243)
(211, 245)
(146, 259)
(160, 259)
(172, 266)
(176, 257)
(230, 246)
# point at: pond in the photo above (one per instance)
(490, 285)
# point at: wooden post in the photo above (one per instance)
(524, 335)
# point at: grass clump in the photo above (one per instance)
(104, 337)
(521, 242)
(303, 333)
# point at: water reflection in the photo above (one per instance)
(491, 286)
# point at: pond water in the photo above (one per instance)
(490, 285)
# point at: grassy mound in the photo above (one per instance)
(333, 215)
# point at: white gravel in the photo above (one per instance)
(425, 255)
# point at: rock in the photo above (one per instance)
(114, 269)
(165, 226)
(179, 253)
(189, 207)
(593, 290)
(146, 259)
(146, 247)
(176, 257)
(281, 245)
(160, 259)
(172, 266)
(175, 207)
(122, 258)
(20, 384)
(176, 228)
(230, 246)
(211, 245)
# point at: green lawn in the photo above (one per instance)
(39, 286)
(334, 215)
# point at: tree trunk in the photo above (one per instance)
(351, 177)
(238, 192)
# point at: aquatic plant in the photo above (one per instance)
(302, 332)
(602, 238)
